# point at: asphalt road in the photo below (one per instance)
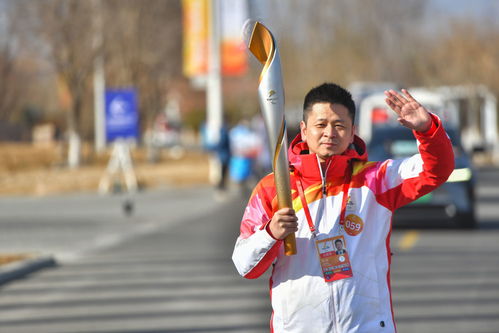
(167, 267)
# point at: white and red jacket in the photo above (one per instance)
(301, 299)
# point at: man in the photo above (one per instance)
(222, 152)
(339, 247)
(317, 290)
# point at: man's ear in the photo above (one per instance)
(354, 129)
(303, 131)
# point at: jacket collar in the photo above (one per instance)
(308, 166)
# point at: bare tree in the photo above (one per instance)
(344, 41)
(319, 40)
(142, 45)
(10, 89)
(468, 55)
(63, 33)
(143, 49)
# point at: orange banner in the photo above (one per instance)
(196, 20)
(195, 39)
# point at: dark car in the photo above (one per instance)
(453, 201)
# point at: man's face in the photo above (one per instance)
(339, 246)
(328, 130)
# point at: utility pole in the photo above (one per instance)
(214, 85)
(99, 81)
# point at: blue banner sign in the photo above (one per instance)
(122, 117)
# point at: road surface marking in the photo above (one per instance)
(409, 239)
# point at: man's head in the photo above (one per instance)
(328, 118)
(338, 244)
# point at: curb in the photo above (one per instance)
(22, 268)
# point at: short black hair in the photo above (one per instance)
(328, 93)
(338, 241)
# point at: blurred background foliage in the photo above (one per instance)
(48, 50)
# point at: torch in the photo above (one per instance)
(263, 46)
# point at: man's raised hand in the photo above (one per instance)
(410, 113)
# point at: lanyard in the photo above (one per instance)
(346, 186)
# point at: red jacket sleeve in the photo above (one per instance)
(403, 181)
(255, 248)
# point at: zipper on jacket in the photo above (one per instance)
(332, 292)
(323, 176)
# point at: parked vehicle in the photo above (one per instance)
(363, 89)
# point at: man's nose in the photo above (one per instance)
(329, 131)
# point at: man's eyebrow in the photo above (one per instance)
(334, 121)
(318, 120)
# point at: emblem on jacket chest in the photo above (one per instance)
(350, 204)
